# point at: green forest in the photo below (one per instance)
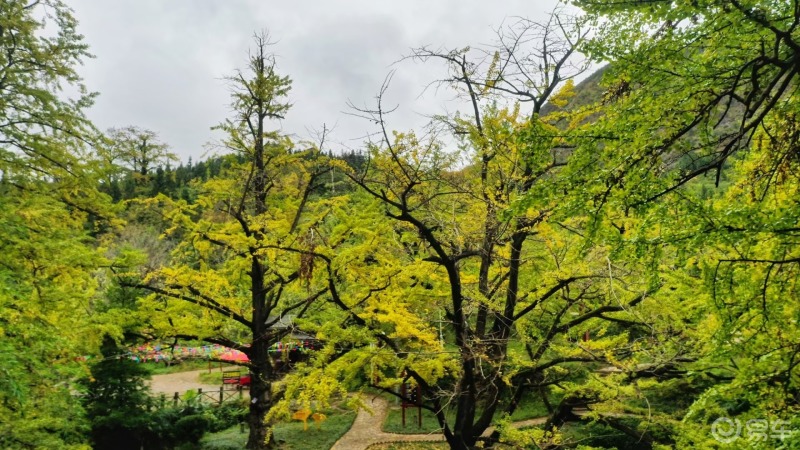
(599, 250)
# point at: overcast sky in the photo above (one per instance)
(159, 63)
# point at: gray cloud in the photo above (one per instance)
(159, 64)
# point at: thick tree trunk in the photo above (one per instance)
(260, 367)
(457, 442)
(260, 398)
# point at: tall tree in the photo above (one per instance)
(233, 275)
(701, 144)
(47, 186)
(475, 304)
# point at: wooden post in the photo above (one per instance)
(403, 402)
(419, 406)
(220, 395)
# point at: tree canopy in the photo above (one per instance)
(48, 186)
(617, 252)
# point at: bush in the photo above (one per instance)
(191, 428)
(230, 413)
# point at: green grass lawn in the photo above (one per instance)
(290, 436)
(531, 409)
(213, 377)
(231, 439)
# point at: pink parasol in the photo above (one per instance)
(233, 355)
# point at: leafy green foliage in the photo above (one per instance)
(244, 249)
(621, 253)
(48, 211)
(703, 94)
(179, 183)
(456, 288)
(138, 151)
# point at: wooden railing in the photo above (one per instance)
(213, 397)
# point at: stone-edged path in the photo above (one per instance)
(366, 429)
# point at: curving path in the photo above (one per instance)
(180, 382)
(366, 429)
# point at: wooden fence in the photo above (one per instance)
(212, 397)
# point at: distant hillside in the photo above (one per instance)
(586, 92)
(689, 158)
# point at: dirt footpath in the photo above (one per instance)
(366, 429)
(180, 382)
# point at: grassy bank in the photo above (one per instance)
(290, 436)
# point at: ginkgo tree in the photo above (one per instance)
(235, 272)
(47, 195)
(455, 291)
(750, 262)
(701, 145)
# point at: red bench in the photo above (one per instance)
(235, 378)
